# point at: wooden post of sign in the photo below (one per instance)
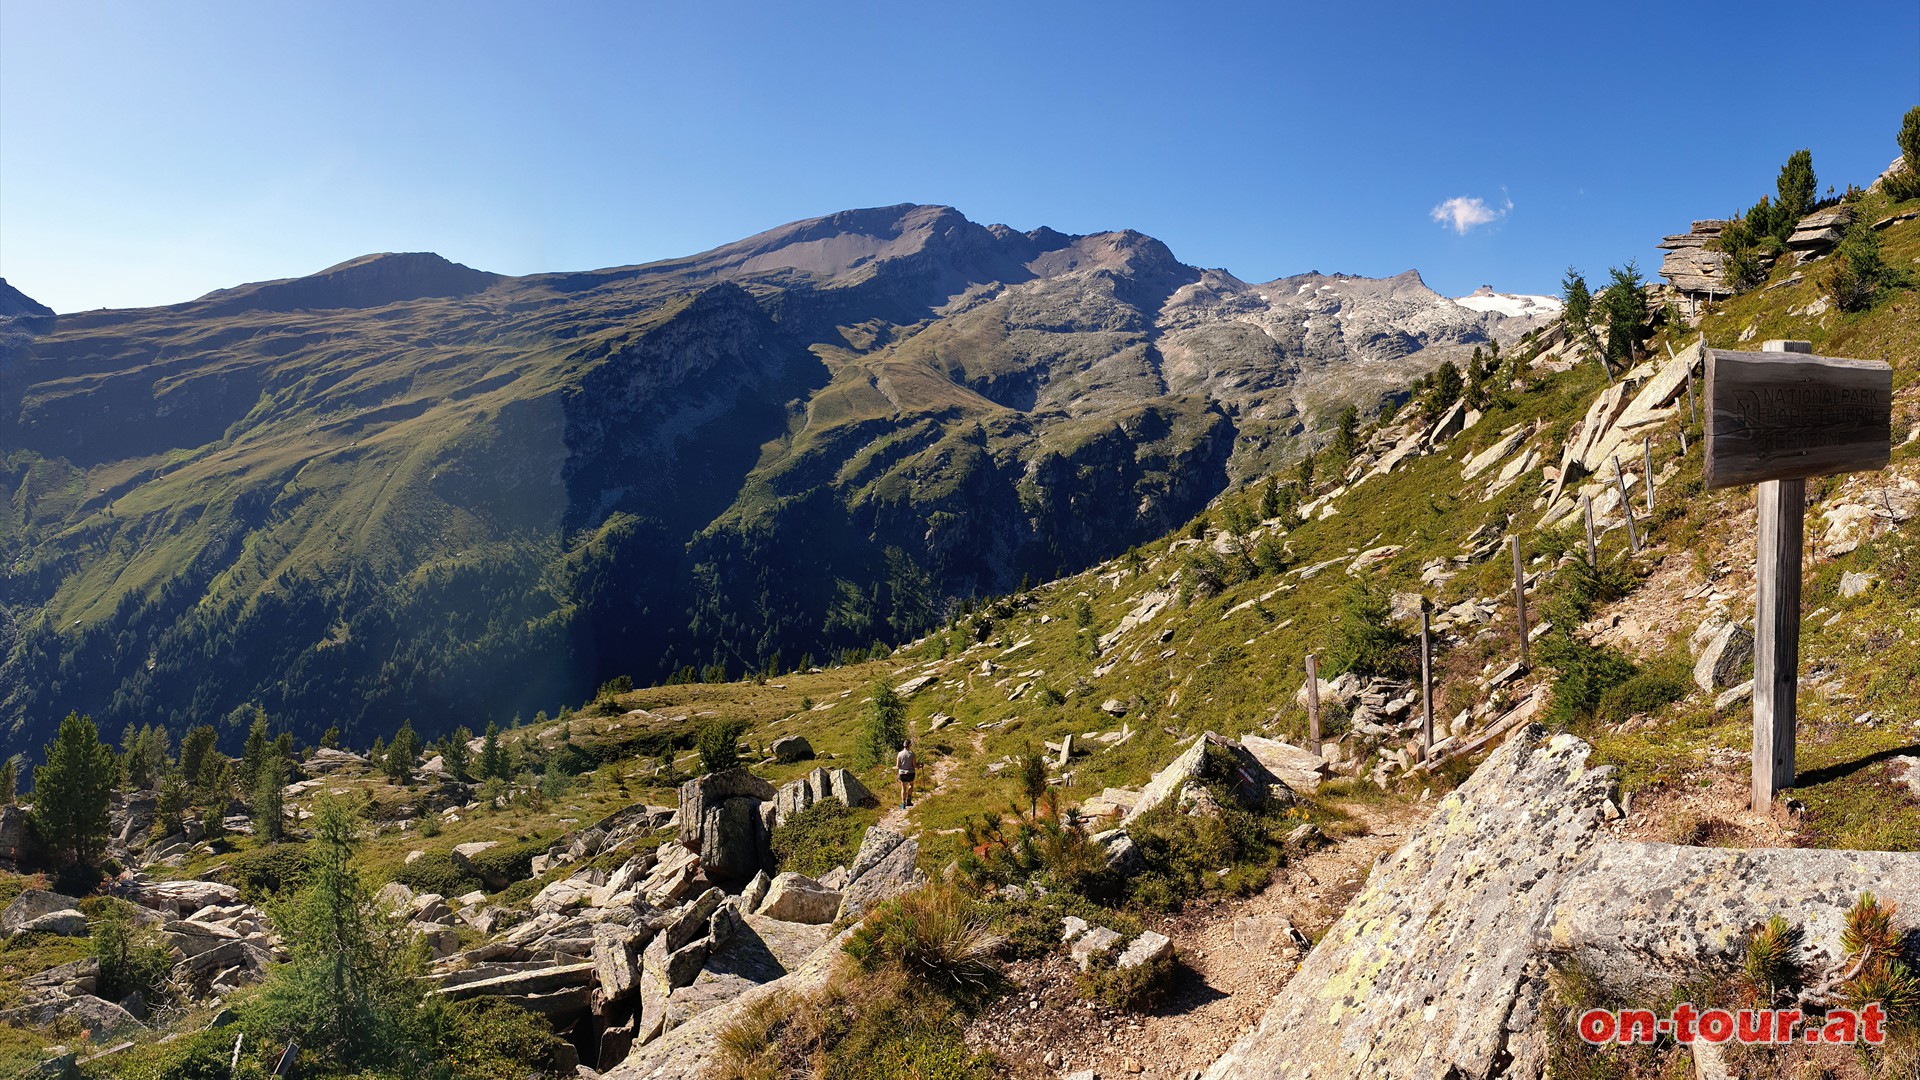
(1313, 703)
(1426, 681)
(1774, 418)
(1520, 595)
(1646, 444)
(1626, 504)
(1776, 639)
(1593, 549)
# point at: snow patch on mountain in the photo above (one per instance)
(1512, 305)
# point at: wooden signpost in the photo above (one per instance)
(1775, 418)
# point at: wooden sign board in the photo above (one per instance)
(1776, 418)
(1792, 415)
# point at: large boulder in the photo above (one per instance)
(100, 1019)
(1724, 659)
(568, 893)
(885, 866)
(66, 923)
(1438, 967)
(721, 819)
(792, 748)
(798, 898)
(31, 904)
(615, 960)
(817, 786)
(1235, 766)
(560, 991)
(1299, 769)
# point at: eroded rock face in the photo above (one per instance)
(721, 819)
(1439, 966)
(686, 1049)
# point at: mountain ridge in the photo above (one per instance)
(803, 441)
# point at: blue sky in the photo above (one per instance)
(152, 152)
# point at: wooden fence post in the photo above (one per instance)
(1593, 549)
(1776, 639)
(1646, 444)
(1313, 702)
(1520, 595)
(1426, 680)
(1626, 504)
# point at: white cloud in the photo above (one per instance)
(1462, 213)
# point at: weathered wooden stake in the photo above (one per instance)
(1683, 440)
(1313, 702)
(1626, 504)
(1776, 644)
(1520, 595)
(1693, 410)
(1646, 444)
(1593, 549)
(1426, 680)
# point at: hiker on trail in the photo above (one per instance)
(905, 763)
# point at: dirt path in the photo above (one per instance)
(1237, 955)
(930, 781)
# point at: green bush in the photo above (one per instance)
(720, 746)
(1133, 988)
(1641, 693)
(1031, 924)
(131, 958)
(817, 839)
(488, 1039)
(263, 872)
(884, 728)
(1183, 854)
(436, 872)
(1370, 642)
(1582, 675)
(511, 861)
(199, 1055)
(1857, 272)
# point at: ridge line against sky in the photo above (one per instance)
(150, 154)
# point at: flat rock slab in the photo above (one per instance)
(1646, 915)
(1411, 980)
(1437, 968)
(32, 904)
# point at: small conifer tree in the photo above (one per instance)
(71, 791)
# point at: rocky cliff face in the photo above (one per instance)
(370, 486)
